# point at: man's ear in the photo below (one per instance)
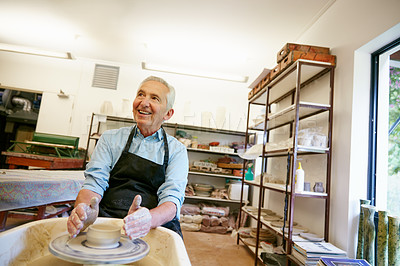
(169, 114)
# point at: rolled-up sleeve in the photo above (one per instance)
(173, 189)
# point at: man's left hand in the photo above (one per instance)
(138, 221)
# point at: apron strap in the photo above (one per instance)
(166, 150)
(128, 143)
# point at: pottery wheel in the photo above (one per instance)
(76, 250)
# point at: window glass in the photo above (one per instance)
(393, 184)
(386, 181)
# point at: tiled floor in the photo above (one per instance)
(204, 249)
(207, 249)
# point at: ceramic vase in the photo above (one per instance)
(394, 240)
(360, 243)
(382, 253)
(319, 187)
(369, 233)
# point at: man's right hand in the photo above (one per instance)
(82, 216)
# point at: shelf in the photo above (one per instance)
(251, 248)
(281, 188)
(302, 150)
(285, 82)
(213, 152)
(103, 118)
(212, 199)
(215, 175)
(287, 115)
(267, 224)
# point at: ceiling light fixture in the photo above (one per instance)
(32, 51)
(187, 72)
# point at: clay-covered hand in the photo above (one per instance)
(138, 221)
(82, 216)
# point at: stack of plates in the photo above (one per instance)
(271, 218)
(203, 190)
(265, 235)
(279, 224)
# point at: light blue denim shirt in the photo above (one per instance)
(110, 146)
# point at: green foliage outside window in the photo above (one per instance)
(394, 114)
(393, 198)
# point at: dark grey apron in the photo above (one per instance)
(133, 175)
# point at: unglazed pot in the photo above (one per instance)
(103, 236)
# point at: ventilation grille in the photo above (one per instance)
(105, 77)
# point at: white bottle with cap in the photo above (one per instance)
(299, 180)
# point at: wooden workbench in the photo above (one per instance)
(15, 159)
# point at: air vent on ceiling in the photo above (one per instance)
(105, 77)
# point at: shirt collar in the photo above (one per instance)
(157, 135)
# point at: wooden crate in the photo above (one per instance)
(250, 95)
(275, 71)
(300, 47)
(266, 80)
(293, 56)
(257, 88)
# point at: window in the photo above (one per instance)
(384, 160)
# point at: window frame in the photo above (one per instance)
(373, 119)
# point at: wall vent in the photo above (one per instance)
(105, 77)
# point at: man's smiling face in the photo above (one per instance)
(150, 107)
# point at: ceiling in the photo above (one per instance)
(226, 36)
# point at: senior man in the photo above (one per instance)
(137, 173)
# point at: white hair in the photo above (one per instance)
(171, 93)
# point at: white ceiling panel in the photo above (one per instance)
(238, 37)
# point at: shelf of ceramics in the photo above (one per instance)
(287, 115)
(283, 151)
(265, 223)
(281, 188)
(297, 229)
(300, 150)
(285, 82)
(213, 152)
(212, 199)
(215, 175)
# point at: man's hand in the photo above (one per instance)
(82, 216)
(138, 220)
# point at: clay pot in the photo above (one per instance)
(103, 236)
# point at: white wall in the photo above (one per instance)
(199, 101)
(346, 27)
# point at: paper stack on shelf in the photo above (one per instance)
(309, 253)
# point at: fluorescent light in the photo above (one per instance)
(32, 51)
(194, 73)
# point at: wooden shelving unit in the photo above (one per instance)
(284, 88)
(98, 121)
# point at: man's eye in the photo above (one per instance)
(156, 99)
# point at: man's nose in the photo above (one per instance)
(145, 102)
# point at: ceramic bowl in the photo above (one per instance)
(103, 236)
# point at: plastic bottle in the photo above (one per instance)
(249, 174)
(195, 143)
(299, 180)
